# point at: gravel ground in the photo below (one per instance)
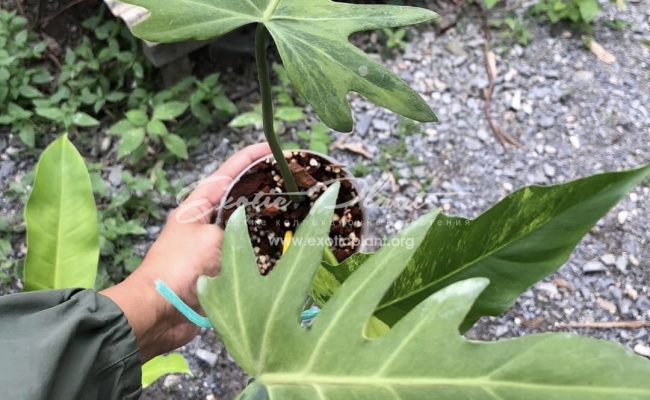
(574, 115)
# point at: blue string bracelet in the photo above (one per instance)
(199, 320)
(168, 294)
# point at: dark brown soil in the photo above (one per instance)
(58, 19)
(271, 213)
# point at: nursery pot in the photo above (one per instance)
(271, 213)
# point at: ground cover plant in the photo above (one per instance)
(579, 12)
(95, 86)
(23, 80)
(104, 73)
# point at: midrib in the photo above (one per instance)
(57, 247)
(279, 379)
(270, 10)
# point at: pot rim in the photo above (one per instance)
(354, 180)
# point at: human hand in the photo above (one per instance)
(188, 247)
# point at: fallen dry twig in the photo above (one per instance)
(357, 148)
(606, 325)
(598, 50)
(491, 69)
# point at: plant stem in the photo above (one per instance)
(267, 112)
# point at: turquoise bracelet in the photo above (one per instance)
(197, 319)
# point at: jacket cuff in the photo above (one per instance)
(120, 354)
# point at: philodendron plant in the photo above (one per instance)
(414, 299)
(312, 37)
(429, 292)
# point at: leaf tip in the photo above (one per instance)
(202, 285)
(238, 217)
(468, 289)
(432, 117)
(329, 196)
(431, 15)
(343, 126)
(477, 285)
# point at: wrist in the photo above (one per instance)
(145, 311)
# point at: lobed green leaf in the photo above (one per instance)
(312, 37)
(422, 357)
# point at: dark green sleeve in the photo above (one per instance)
(66, 345)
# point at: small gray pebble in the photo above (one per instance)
(7, 168)
(115, 175)
(153, 230)
(501, 330)
(621, 263)
(642, 350)
(171, 381)
(583, 76)
(472, 144)
(549, 170)
(608, 259)
(207, 357)
(483, 135)
(547, 121)
(363, 124)
(593, 267)
(380, 125)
